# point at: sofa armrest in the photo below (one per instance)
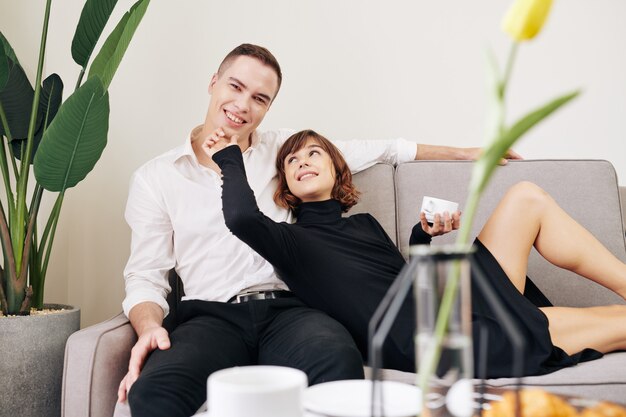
(96, 360)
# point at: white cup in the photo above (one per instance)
(432, 206)
(258, 391)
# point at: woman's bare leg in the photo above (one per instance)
(600, 328)
(527, 216)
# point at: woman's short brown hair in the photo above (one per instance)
(344, 190)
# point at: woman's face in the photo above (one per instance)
(310, 172)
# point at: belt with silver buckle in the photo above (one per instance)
(259, 295)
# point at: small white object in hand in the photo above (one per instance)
(432, 206)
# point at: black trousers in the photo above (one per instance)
(211, 336)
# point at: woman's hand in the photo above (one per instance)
(217, 141)
(440, 227)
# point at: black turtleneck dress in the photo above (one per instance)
(345, 265)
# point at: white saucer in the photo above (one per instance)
(352, 398)
(207, 414)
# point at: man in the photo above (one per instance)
(236, 311)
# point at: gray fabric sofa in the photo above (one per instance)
(96, 357)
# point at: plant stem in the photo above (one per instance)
(23, 275)
(433, 354)
(55, 216)
(20, 217)
(13, 290)
(34, 205)
(46, 231)
(31, 251)
(508, 69)
(16, 172)
(45, 249)
(3, 159)
(3, 298)
(471, 205)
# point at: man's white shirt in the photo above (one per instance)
(174, 210)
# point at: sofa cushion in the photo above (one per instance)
(377, 196)
(586, 189)
(603, 379)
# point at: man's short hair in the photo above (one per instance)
(254, 51)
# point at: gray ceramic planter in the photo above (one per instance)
(31, 362)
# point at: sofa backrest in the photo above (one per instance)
(586, 189)
(378, 196)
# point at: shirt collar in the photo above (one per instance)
(255, 139)
(186, 151)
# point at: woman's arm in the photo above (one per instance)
(242, 215)
(423, 232)
(419, 236)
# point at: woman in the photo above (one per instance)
(344, 266)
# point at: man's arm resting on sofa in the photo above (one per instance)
(435, 152)
(147, 320)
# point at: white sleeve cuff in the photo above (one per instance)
(141, 296)
(407, 150)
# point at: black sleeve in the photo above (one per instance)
(419, 236)
(271, 240)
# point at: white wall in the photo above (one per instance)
(352, 69)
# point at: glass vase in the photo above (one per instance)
(443, 339)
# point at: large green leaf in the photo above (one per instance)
(107, 61)
(49, 103)
(92, 21)
(73, 143)
(99, 64)
(4, 66)
(8, 50)
(17, 100)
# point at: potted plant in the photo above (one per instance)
(61, 141)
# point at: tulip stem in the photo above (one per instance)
(508, 69)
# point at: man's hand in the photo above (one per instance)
(441, 228)
(147, 320)
(475, 153)
(217, 141)
(150, 340)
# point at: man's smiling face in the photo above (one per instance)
(241, 95)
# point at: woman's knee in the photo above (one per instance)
(528, 195)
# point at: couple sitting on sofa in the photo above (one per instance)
(344, 266)
(238, 312)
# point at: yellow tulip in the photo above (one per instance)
(525, 18)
